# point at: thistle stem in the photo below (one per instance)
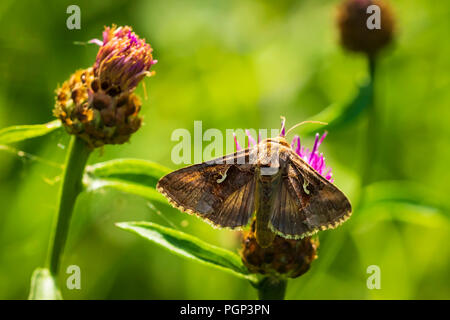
(71, 187)
(270, 288)
(372, 127)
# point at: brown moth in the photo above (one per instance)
(270, 180)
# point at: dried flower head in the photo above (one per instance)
(98, 104)
(354, 33)
(285, 257)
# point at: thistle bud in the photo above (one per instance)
(284, 258)
(354, 32)
(123, 60)
(98, 104)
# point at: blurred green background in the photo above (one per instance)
(232, 64)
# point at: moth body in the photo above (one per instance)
(266, 186)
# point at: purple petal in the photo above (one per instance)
(316, 142)
(329, 174)
(283, 128)
(323, 137)
(96, 41)
(238, 147)
(320, 164)
(296, 141)
(250, 139)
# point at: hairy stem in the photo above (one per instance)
(270, 288)
(71, 187)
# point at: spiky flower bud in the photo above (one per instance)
(284, 258)
(354, 32)
(122, 61)
(98, 104)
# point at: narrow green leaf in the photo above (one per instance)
(133, 176)
(126, 167)
(417, 204)
(43, 286)
(190, 247)
(401, 192)
(338, 115)
(149, 193)
(19, 133)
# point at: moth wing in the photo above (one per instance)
(287, 219)
(221, 191)
(306, 202)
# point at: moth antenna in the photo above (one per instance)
(305, 122)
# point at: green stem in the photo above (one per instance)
(270, 288)
(71, 187)
(372, 127)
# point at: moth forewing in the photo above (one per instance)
(220, 191)
(311, 203)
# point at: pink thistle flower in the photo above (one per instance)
(98, 104)
(238, 146)
(315, 159)
(123, 59)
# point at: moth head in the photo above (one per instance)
(268, 156)
(281, 140)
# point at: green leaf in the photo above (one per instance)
(20, 133)
(427, 209)
(401, 192)
(125, 168)
(43, 286)
(190, 247)
(339, 115)
(133, 176)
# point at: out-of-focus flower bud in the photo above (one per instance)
(354, 32)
